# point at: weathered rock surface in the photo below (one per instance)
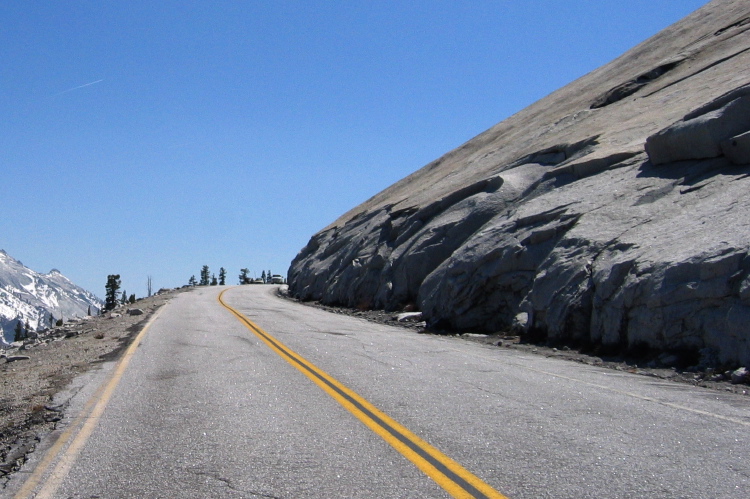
(612, 212)
(741, 375)
(409, 317)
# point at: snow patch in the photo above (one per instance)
(34, 297)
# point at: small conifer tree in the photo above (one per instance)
(205, 276)
(112, 287)
(244, 277)
(222, 276)
(19, 331)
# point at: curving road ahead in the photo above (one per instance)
(262, 397)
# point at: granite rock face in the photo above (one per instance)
(612, 212)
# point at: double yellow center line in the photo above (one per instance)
(447, 473)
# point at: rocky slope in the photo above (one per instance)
(34, 298)
(612, 212)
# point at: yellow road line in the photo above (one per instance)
(80, 430)
(447, 473)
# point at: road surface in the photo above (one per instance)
(263, 397)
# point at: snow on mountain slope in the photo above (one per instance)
(36, 298)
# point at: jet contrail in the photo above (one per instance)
(80, 86)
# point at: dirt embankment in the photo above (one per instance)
(31, 374)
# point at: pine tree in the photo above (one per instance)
(88, 312)
(132, 298)
(222, 276)
(19, 332)
(192, 281)
(205, 276)
(263, 276)
(244, 277)
(112, 287)
(124, 298)
(214, 281)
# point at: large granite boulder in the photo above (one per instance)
(613, 212)
(700, 134)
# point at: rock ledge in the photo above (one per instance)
(613, 212)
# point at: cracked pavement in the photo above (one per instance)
(200, 414)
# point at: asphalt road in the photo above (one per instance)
(206, 407)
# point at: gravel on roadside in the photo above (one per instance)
(33, 372)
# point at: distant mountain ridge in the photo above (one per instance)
(34, 297)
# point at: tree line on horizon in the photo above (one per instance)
(209, 279)
(114, 298)
(245, 278)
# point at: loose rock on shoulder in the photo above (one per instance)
(14, 358)
(741, 375)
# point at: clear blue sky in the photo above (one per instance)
(153, 137)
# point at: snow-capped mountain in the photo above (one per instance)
(36, 298)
